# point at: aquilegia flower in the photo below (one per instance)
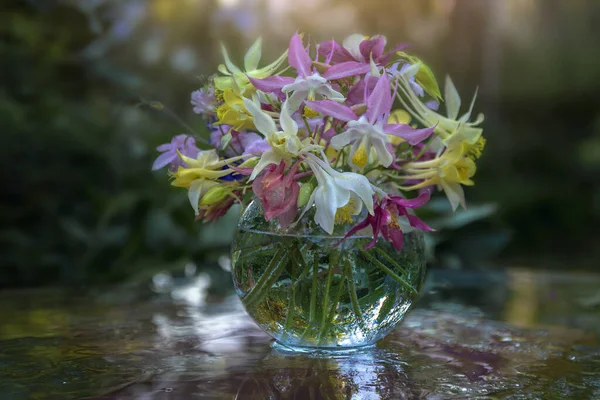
(371, 130)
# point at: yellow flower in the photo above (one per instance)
(233, 112)
(206, 166)
(200, 177)
(449, 171)
(237, 79)
(475, 150)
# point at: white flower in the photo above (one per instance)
(284, 143)
(364, 136)
(336, 190)
(313, 87)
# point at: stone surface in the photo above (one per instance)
(517, 334)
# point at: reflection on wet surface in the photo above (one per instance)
(517, 334)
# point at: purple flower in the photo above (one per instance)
(204, 101)
(241, 142)
(309, 83)
(186, 146)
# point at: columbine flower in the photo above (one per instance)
(370, 131)
(185, 144)
(204, 101)
(392, 220)
(278, 193)
(238, 80)
(233, 112)
(284, 143)
(309, 84)
(336, 190)
(201, 174)
(449, 171)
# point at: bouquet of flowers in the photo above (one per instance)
(337, 127)
(334, 140)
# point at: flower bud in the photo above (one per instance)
(305, 191)
(215, 195)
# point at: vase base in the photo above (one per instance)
(320, 351)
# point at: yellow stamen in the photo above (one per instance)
(475, 150)
(309, 113)
(360, 156)
(219, 95)
(344, 214)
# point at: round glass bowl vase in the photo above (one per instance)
(311, 293)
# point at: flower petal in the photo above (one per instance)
(373, 47)
(252, 57)
(267, 158)
(333, 109)
(295, 100)
(197, 189)
(352, 45)
(334, 52)
(271, 84)
(408, 133)
(230, 66)
(287, 123)
(345, 69)
(298, 57)
(452, 99)
(380, 101)
(385, 157)
(358, 184)
(163, 160)
(454, 193)
(416, 222)
(263, 122)
(419, 201)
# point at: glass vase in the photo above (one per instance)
(310, 291)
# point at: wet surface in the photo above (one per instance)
(515, 334)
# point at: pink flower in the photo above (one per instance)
(278, 193)
(389, 218)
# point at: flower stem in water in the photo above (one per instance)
(353, 296)
(332, 308)
(388, 271)
(274, 269)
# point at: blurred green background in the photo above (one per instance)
(80, 204)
